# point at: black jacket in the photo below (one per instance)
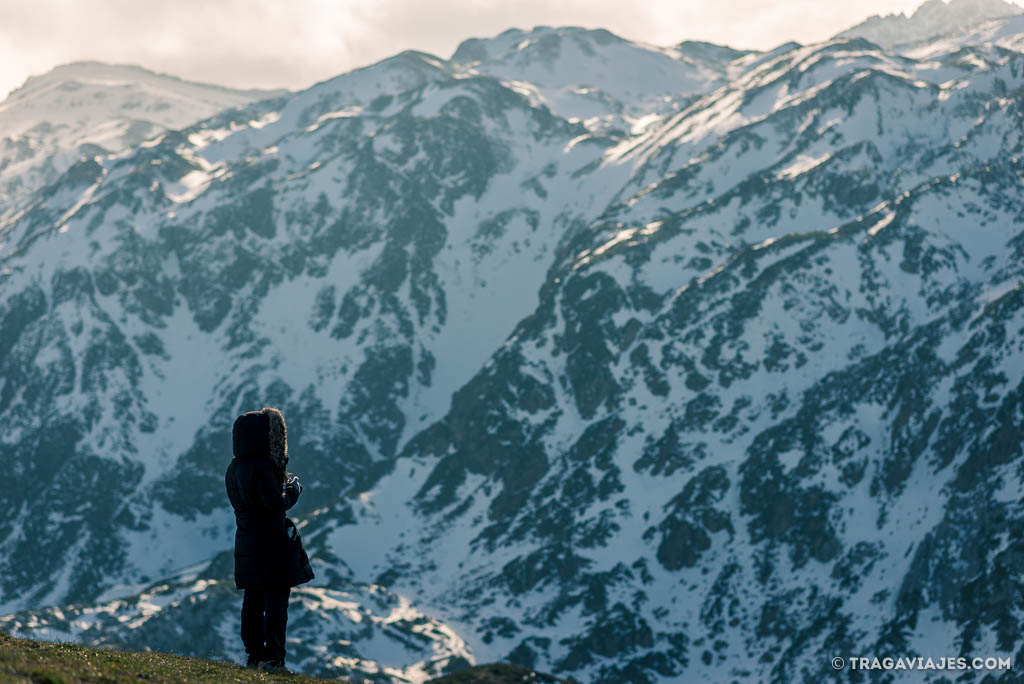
(264, 555)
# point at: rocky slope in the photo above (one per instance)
(717, 397)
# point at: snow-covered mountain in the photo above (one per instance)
(716, 397)
(932, 19)
(86, 109)
(593, 76)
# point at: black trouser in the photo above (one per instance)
(264, 620)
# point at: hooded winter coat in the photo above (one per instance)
(264, 554)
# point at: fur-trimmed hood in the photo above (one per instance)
(262, 434)
(277, 447)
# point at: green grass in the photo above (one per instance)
(44, 662)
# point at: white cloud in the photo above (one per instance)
(269, 43)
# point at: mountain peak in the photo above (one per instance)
(931, 19)
(474, 50)
(105, 73)
(75, 71)
(87, 108)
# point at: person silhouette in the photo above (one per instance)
(269, 558)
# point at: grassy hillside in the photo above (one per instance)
(45, 662)
(22, 660)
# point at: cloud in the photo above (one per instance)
(268, 43)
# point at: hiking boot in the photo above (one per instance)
(253, 663)
(275, 668)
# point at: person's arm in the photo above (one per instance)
(268, 491)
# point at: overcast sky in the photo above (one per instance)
(295, 43)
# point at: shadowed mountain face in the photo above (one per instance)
(717, 394)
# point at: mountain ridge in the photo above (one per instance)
(84, 109)
(930, 20)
